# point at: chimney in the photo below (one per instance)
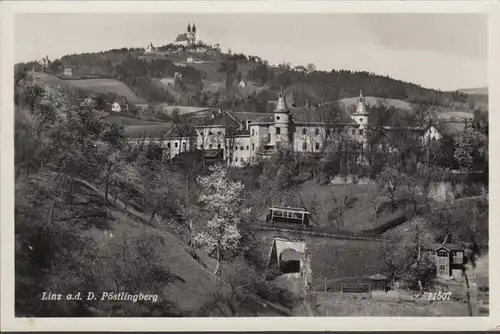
(247, 124)
(242, 125)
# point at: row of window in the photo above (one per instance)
(235, 159)
(304, 146)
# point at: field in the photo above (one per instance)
(358, 214)
(97, 85)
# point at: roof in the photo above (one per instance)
(149, 131)
(448, 247)
(223, 119)
(212, 153)
(250, 116)
(289, 209)
(321, 115)
(378, 277)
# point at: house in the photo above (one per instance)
(450, 259)
(115, 107)
(68, 71)
(242, 84)
(189, 59)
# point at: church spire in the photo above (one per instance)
(189, 27)
(281, 106)
(194, 28)
(361, 108)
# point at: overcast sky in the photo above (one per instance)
(443, 51)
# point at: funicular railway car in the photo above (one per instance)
(298, 217)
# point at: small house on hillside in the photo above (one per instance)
(189, 59)
(68, 71)
(115, 107)
(449, 258)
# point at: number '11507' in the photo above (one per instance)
(439, 295)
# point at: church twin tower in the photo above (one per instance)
(191, 34)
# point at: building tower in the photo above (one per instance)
(361, 115)
(281, 121)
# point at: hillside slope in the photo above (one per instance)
(95, 85)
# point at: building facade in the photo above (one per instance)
(245, 137)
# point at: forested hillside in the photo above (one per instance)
(214, 82)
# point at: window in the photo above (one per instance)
(457, 257)
(328, 132)
(442, 253)
(220, 133)
(241, 148)
(353, 131)
(176, 144)
(278, 131)
(317, 146)
(317, 132)
(248, 147)
(210, 146)
(442, 267)
(168, 145)
(360, 131)
(253, 158)
(304, 131)
(278, 213)
(218, 145)
(236, 148)
(253, 147)
(253, 132)
(184, 146)
(304, 146)
(236, 159)
(209, 133)
(278, 118)
(361, 119)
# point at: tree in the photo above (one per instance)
(224, 205)
(311, 67)
(393, 183)
(470, 146)
(405, 260)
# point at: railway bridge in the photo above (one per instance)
(310, 252)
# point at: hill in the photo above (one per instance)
(101, 85)
(475, 91)
(443, 112)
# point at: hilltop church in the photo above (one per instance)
(188, 38)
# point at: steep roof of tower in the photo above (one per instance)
(281, 106)
(361, 108)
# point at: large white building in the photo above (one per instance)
(242, 137)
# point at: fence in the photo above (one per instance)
(348, 285)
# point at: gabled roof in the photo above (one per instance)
(147, 131)
(447, 247)
(314, 115)
(223, 119)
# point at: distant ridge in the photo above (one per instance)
(475, 91)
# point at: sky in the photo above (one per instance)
(441, 51)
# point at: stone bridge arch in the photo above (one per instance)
(291, 257)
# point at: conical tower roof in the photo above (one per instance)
(189, 27)
(361, 108)
(281, 106)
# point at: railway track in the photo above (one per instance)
(319, 232)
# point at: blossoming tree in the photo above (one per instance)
(224, 205)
